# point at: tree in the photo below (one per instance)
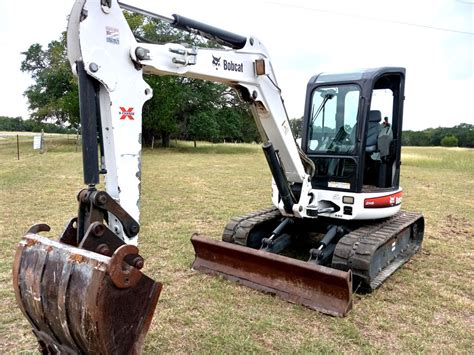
(19, 125)
(464, 133)
(11, 124)
(54, 95)
(449, 141)
(203, 126)
(228, 121)
(413, 138)
(161, 111)
(296, 125)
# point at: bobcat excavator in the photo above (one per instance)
(335, 224)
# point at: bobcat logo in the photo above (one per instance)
(216, 61)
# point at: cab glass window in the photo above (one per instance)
(333, 119)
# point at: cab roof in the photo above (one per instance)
(355, 75)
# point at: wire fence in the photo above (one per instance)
(18, 145)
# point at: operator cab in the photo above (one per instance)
(352, 129)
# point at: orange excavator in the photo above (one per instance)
(336, 223)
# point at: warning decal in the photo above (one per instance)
(112, 35)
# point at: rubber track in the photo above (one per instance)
(356, 249)
(238, 229)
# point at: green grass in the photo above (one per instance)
(425, 307)
(454, 159)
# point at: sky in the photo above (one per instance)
(432, 39)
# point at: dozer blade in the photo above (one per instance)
(317, 287)
(80, 302)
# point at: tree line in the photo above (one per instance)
(458, 136)
(18, 124)
(461, 135)
(181, 108)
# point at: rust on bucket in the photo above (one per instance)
(70, 298)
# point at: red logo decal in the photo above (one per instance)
(126, 113)
(384, 201)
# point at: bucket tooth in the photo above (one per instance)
(72, 302)
(321, 288)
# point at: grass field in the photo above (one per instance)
(428, 306)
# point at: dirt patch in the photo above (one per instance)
(455, 227)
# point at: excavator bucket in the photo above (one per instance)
(81, 302)
(323, 289)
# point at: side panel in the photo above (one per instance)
(361, 208)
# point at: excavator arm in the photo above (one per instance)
(100, 40)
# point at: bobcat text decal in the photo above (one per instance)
(231, 66)
(228, 65)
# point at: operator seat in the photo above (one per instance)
(383, 156)
(373, 130)
(384, 140)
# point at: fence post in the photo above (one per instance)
(42, 142)
(18, 147)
